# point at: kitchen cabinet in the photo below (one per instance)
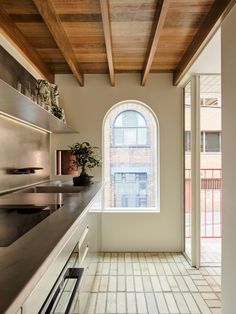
(89, 261)
(81, 251)
(20, 107)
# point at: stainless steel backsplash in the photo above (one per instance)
(22, 146)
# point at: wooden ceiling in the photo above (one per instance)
(112, 36)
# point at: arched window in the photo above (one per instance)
(131, 157)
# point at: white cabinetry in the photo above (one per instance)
(80, 251)
(89, 250)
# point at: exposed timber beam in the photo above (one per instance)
(159, 20)
(211, 23)
(9, 29)
(107, 34)
(48, 13)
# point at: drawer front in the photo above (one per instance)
(39, 294)
(84, 222)
(84, 237)
(84, 256)
(83, 294)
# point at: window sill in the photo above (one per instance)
(142, 210)
(130, 146)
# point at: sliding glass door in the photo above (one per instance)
(202, 170)
(211, 170)
(187, 170)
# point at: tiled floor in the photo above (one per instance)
(153, 283)
(211, 251)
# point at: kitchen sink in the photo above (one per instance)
(54, 189)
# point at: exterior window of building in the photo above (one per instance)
(211, 142)
(131, 157)
(130, 189)
(187, 141)
(210, 102)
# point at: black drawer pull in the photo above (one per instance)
(71, 273)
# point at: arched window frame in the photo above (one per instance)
(105, 173)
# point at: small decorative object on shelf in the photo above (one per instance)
(43, 93)
(54, 95)
(28, 89)
(47, 96)
(19, 86)
(85, 158)
(58, 112)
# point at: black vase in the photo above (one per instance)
(82, 180)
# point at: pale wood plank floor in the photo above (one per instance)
(153, 283)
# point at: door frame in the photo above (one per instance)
(194, 260)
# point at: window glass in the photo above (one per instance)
(131, 191)
(129, 136)
(187, 141)
(130, 129)
(129, 119)
(118, 121)
(118, 136)
(141, 121)
(142, 136)
(202, 142)
(212, 141)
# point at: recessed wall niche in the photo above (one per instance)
(65, 163)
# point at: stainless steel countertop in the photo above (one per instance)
(22, 260)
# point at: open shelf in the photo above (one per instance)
(17, 105)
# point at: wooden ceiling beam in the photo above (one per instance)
(211, 23)
(159, 20)
(12, 32)
(48, 13)
(107, 35)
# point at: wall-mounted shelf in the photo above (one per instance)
(18, 106)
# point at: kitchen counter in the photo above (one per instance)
(23, 262)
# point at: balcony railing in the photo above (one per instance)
(211, 203)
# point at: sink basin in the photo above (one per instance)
(54, 189)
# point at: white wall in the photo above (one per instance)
(229, 162)
(209, 61)
(85, 109)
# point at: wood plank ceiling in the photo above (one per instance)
(112, 36)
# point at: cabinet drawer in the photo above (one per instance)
(84, 237)
(39, 294)
(83, 223)
(84, 256)
(83, 246)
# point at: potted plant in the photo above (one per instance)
(85, 157)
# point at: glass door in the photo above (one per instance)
(211, 170)
(187, 170)
(202, 170)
